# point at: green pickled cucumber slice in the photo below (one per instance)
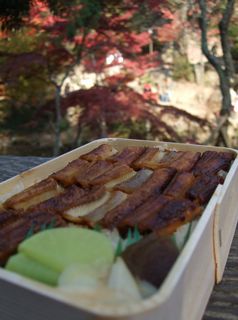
(25, 266)
(61, 247)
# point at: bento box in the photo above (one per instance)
(185, 291)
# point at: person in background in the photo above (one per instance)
(165, 96)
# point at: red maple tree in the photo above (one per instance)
(87, 34)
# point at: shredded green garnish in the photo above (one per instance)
(52, 224)
(30, 232)
(97, 227)
(137, 235)
(187, 234)
(119, 249)
(132, 237)
(43, 227)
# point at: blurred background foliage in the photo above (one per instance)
(75, 71)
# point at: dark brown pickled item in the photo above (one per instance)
(151, 258)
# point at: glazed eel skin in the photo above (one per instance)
(154, 185)
(155, 190)
(16, 225)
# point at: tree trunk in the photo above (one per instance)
(224, 72)
(58, 143)
(225, 43)
(226, 97)
(103, 126)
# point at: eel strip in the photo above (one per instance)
(154, 185)
(145, 211)
(211, 162)
(79, 213)
(149, 159)
(33, 195)
(72, 197)
(67, 175)
(186, 161)
(102, 152)
(203, 188)
(135, 182)
(171, 216)
(15, 231)
(94, 215)
(7, 216)
(96, 169)
(128, 155)
(180, 185)
(120, 172)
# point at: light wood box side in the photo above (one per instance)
(226, 217)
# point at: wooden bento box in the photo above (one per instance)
(185, 291)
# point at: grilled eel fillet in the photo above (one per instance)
(8, 215)
(171, 216)
(149, 158)
(144, 211)
(154, 213)
(67, 175)
(186, 161)
(203, 188)
(135, 182)
(117, 174)
(212, 162)
(102, 152)
(96, 169)
(116, 198)
(162, 214)
(180, 185)
(90, 214)
(177, 188)
(161, 159)
(127, 155)
(153, 158)
(17, 226)
(154, 185)
(72, 197)
(37, 193)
